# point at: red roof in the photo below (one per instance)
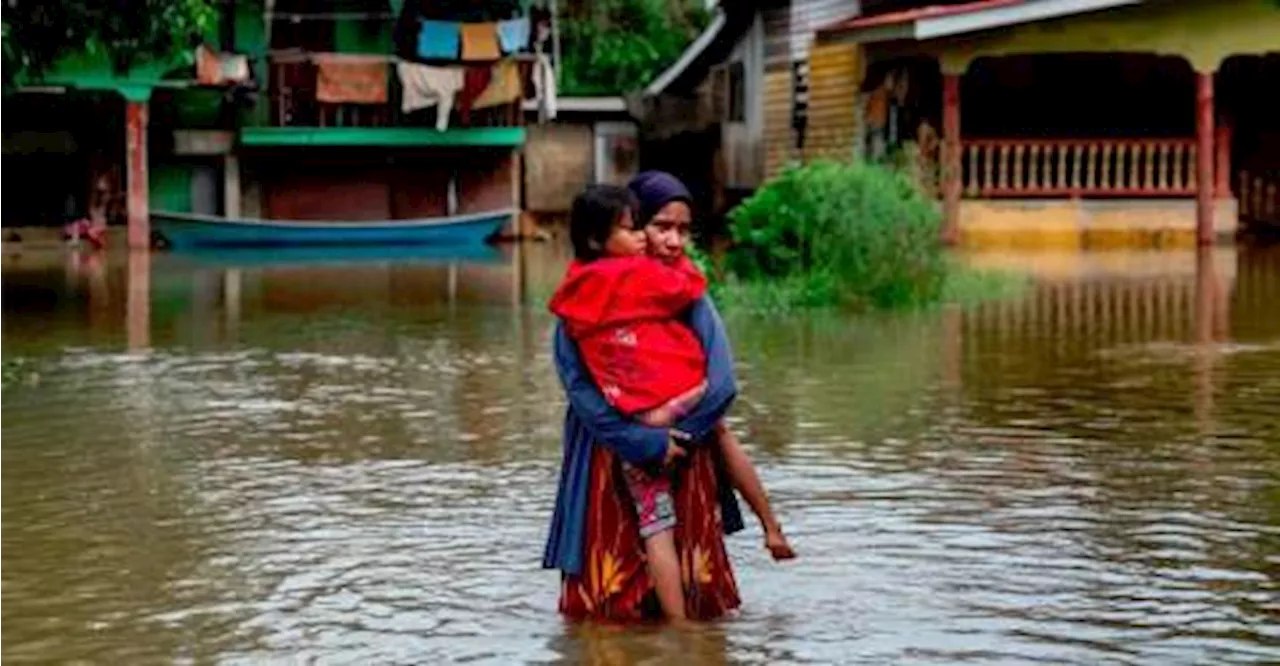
(910, 15)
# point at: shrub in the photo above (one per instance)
(830, 233)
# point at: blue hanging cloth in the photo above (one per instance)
(513, 34)
(439, 40)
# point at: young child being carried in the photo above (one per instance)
(623, 309)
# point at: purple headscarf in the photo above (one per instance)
(655, 189)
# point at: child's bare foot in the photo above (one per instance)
(777, 544)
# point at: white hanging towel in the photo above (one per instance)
(424, 86)
(544, 84)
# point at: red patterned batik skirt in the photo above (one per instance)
(614, 585)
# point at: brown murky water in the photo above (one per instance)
(294, 463)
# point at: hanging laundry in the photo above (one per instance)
(423, 86)
(214, 68)
(544, 85)
(474, 82)
(505, 86)
(350, 79)
(513, 34)
(480, 41)
(438, 40)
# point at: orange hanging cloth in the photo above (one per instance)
(505, 86)
(480, 42)
(351, 79)
(215, 69)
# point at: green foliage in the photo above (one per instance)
(828, 233)
(616, 46)
(37, 33)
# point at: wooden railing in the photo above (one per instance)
(294, 104)
(1079, 167)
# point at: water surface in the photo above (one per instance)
(260, 461)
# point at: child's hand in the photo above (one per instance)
(659, 417)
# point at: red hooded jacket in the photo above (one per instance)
(624, 314)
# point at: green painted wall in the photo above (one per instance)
(362, 36)
(170, 186)
(251, 36)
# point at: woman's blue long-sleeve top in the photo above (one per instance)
(590, 420)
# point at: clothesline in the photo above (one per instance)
(339, 16)
(290, 56)
(330, 16)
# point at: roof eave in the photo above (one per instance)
(874, 34)
(934, 27)
(1000, 17)
(688, 57)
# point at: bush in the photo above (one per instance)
(828, 233)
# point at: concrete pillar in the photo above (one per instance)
(1204, 158)
(138, 297)
(951, 169)
(137, 201)
(231, 195)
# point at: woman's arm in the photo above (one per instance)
(635, 443)
(722, 387)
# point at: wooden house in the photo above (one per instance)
(254, 128)
(1076, 122)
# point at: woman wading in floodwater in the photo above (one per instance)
(595, 538)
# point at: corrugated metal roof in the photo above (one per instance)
(807, 16)
(777, 35)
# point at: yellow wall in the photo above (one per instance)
(834, 78)
(1205, 32)
(1076, 223)
(779, 140)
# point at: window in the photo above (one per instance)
(736, 102)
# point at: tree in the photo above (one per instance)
(38, 32)
(616, 46)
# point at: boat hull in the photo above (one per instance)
(187, 230)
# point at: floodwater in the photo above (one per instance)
(268, 460)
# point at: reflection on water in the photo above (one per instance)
(246, 461)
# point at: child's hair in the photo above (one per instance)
(593, 215)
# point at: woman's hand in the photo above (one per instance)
(674, 453)
(676, 437)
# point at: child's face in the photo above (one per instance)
(625, 240)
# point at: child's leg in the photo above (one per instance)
(664, 568)
(656, 511)
(744, 477)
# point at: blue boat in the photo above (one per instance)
(192, 230)
(331, 255)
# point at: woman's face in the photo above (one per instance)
(669, 230)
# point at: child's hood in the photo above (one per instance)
(615, 290)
